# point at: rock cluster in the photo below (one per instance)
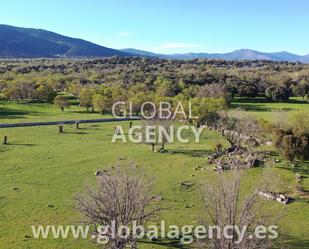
(237, 158)
(281, 198)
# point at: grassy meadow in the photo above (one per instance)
(41, 170)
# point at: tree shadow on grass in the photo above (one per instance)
(75, 132)
(166, 243)
(303, 197)
(6, 113)
(86, 112)
(268, 101)
(9, 113)
(250, 107)
(288, 242)
(303, 170)
(193, 153)
(13, 144)
(88, 127)
(294, 242)
(259, 104)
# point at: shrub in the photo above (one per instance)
(278, 93)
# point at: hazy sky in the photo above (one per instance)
(171, 26)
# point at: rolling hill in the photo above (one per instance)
(18, 42)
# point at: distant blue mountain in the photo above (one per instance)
(242, 54)
(140, 52)
(18, 42)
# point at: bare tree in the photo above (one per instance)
(120, 198)
(223, 208)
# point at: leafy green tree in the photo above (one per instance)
(21, 91)
(100, 102)
(165, 87)
(190, 92)
(292, 143)
(248, 90)
(61, 101)
(301, 89)
(45, 94)
(278, 93)
(85, 98)
(204, 107)
(74, 88)
(214, 91)
(118, 94)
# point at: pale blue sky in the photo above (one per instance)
(171, 26)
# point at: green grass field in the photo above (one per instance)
(41, 167)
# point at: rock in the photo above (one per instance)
(98, 173)
(278, 199)
(157, 198)
(269, 195)
(281, 198)
(189, 206)
(198, 168)
(284, 200)
(298, 176)
(269, 143)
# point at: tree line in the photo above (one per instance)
(40, 80)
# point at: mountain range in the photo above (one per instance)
(16, 42)
(241, 54)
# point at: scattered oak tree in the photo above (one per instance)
(100, 102)
(45, 94)
(62, 102)
(292, 143)
(85, 98)
(278, 93)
